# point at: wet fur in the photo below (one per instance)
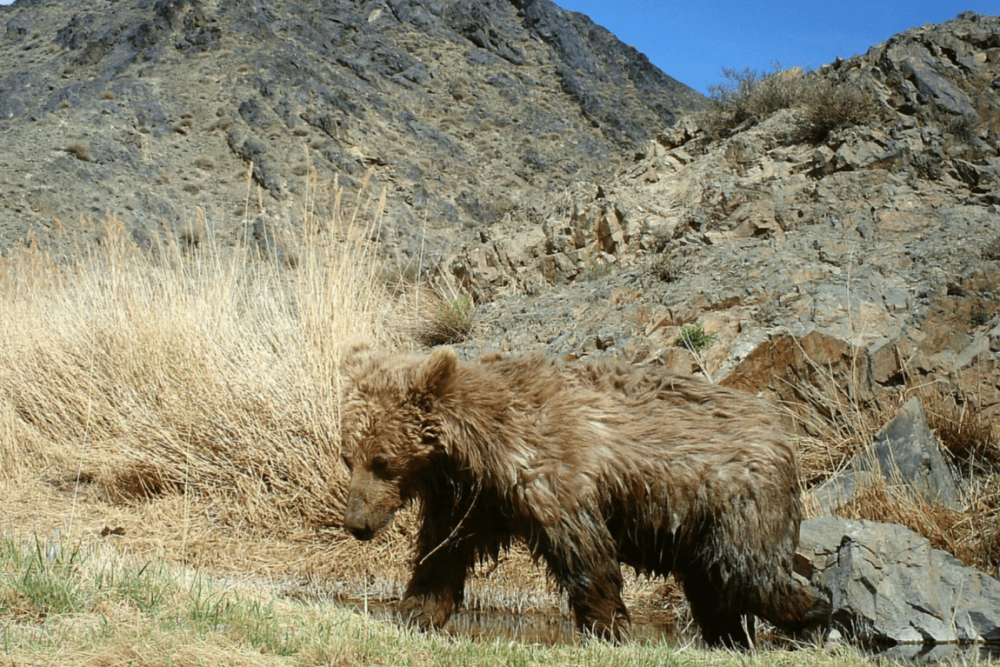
(592, 466)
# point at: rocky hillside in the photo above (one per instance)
(843, 219)
(151, 110)
(852, 225)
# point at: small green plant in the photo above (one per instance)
(694, 338)
(144, 587)
(979, 317)
(47, 575)
(595, 269)
(451, 321)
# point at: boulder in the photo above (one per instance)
(887, 585)
(904, 452)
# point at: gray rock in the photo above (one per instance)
(935, 86)
(904, 452)
(887, 585)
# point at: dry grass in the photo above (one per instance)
(198, 387)
(79, 150)
(841, 424)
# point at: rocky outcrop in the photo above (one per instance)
(887, 585)
(907, 455)
(868, 247)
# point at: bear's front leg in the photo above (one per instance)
(437, 586)
(585, 564)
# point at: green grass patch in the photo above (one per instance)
(74, 605)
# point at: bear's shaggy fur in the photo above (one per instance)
(590, 465)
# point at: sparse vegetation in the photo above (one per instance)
(843, 425)
(79, 150)
(694, 338)
(749, 96)
(830, 106)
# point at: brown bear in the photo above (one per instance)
(591, 466)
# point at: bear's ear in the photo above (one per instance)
(352, 353)
(436, 375)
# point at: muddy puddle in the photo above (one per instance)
(527, 628)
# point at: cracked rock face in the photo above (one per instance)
(887, 585)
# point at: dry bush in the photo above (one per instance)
(748, 97)
(830, 106)
(205, 162)
(198, 372)
(79, 150)
(443, 317)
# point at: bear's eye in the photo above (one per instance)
(380, 466)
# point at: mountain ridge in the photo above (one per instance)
(448, 104)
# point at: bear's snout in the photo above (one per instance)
(356, 518)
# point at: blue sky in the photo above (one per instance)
(693, 40)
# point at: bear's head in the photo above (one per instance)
(390, 431)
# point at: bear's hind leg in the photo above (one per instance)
(793, 608)
(719, 626)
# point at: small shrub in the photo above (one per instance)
(205, 162)
(965, 127)
(749, 95)
(450, 321)
(979, 317)
(108, 95)
(663, 267)
(992, 250)
(79, 150)
(830, 106)
(694, 338)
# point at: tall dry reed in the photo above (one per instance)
(207, 370)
